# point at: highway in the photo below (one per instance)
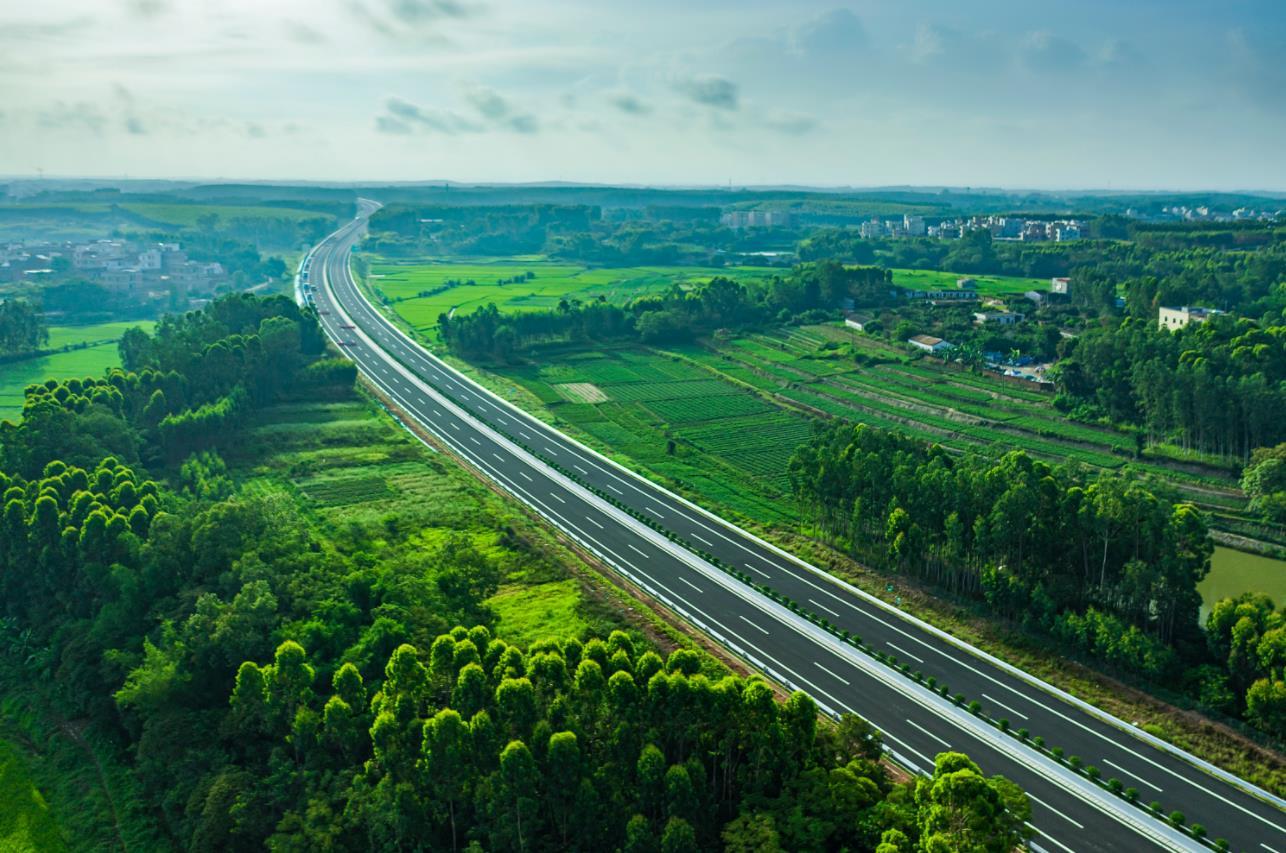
(599, 505)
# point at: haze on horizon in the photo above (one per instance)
(1144, 95)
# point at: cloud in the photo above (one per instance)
(392, 126)
(147, 8)
(834, 33)
(629, 104)
(500, 112)
(406, 113)
(791, 125)
(78, 116)
(26, 32)
(1045, 51)
(495, 112)
(396, 18)
(420, 11)
(717, 92)
(301, 32)
(1120, 55)
(134, 126)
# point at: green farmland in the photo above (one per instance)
(987, 285)
(737, 409)
(88, 351)
(726, 437)
(446, 285)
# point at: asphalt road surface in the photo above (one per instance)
(584, 495)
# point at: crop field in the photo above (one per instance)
(468, 286)
(988, 285)
(933, 402)
(77, 363)
(737, 409)
(725, 437)
(95, 353)
(96, 333)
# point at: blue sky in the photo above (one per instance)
(1138, 94)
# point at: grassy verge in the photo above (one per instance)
(26, 821)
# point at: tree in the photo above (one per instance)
(518, 779)
(958, 809)
(447, 751)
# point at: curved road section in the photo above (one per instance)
(599, 504)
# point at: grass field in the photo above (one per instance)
(16, 376)
(402, 283)
(531, 612)
(26, 822)
(90, 360)
(96, 333)
(988, 285)
(368, 485)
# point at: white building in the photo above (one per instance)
(929, 344)
(1060, 285)
(857, 321)
(1177, 318)
(913, 225)
(997, 318)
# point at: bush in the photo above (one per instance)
(1132, 794)
(1115, 786)
(1177, 818)
(1197, 831)
(975, 707)
(1076, 762)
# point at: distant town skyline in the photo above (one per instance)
(1148, 95)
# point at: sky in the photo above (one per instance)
(1127, 94)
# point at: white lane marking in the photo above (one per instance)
(498, 456)
(700, 538)
(691, 584)
(1266, 847)
(903, 651)
(902, 745)
(455, 426)
(1050, 838)
(832, 674)
(1000, 704)
(755, 568)
(822, 606)
(555, 496)
(523, 434)
(1135, 776)
(593, 522)
(752, 624)
(438, 413)
(654, 511)
(549, 449)
(475, 441)
(580, 469)
(613, 488)
(524, 475)
(502, 420)
(636, 550)
(929, 733)
(1046, 805)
